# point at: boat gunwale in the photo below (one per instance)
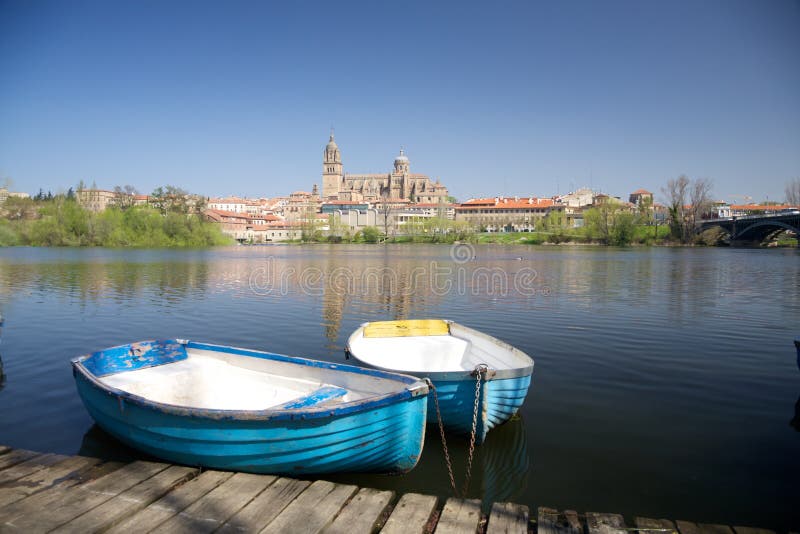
(463, 375)
(414, 387)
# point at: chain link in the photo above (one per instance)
(444, 441)
(480, 370)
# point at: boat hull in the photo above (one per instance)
(431, 349)
(384, 437)
(499, 400)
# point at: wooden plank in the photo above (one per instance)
(751, 530)
(411, 514)
(506, 517)
(51, 508)
(266, 506)
(218, 505)
(714, 529)
(172, 503)
(314, 509)
(551, 522)
(363, 513)
(15, 457)
(28, 467)
(46, 497)
(63, 472)
(459, 516)
(687, 527)
(571, 517)
(654, 526)
(597, 523)
(129, 502)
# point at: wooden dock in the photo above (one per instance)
(54, 493)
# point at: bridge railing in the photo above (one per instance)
(748, 217)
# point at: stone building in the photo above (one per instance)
(641, 198)
(506, 214)
(95, 200)
(400, 183)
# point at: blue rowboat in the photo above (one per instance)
(449, 354)
(245, 410)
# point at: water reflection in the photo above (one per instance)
(97, 443)
(505, 464)
(2, 374)
(500, 472)
(795, 422)
(95, 281)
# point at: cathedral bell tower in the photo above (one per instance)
(331, 169)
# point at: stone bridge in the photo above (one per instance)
(751, 230)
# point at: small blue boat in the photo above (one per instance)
(246, 410)
(450, 355)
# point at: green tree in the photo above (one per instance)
(370, 234)
(610, 224)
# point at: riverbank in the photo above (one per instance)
(66, 224)
(643, 237)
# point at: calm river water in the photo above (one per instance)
(665, 380)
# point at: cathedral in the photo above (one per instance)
(399, 184)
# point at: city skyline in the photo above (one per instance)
(520, 99)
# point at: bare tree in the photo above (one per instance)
(386, 211)
(699, 201)
(687, 202)
(125, 197)
(676, 204)
(793, 192)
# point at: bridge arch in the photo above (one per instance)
(762, 229)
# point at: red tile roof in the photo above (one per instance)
(507, 203)
(223, 213)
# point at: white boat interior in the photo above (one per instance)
(222, 381)
(461, 350)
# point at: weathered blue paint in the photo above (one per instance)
(318, 396)
(134, 356)
(381, 434)
(499, 399)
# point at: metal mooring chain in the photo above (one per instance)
(441, 432)
(479, 371)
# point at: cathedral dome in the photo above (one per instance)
(331, 144)
(401, 158)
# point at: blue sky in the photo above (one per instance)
(508, 97)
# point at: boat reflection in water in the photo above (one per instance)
(97, 443)
(500, 471)
(2, 374)
(795, 422)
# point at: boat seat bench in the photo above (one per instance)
(318, 396)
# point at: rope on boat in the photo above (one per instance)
(480, 371)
